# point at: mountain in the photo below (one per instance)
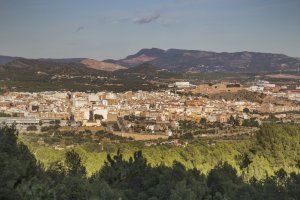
(56, 64)
(181, 60)
(175, 60)
(144, 68)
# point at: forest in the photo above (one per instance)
(267, 168)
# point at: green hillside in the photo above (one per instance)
(266, 167)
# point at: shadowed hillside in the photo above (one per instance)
(22, 177)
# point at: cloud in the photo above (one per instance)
(80, 28)
(140, 17)
(147, 19)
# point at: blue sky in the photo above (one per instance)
(116, 28)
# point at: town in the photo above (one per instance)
(161, 113)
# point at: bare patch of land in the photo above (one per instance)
(283, 76)
(140, 137)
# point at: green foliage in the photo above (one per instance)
(223, 181)
(161, 172)
(233, 121)
(74, 165)
(246, 110)
(16, 163)
(2, 114)
(203, 120)
(250, 122)
(31, 128)
(50, 128)
(97, 116)
(55, 122)
(35, 188)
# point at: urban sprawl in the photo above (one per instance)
(144, 112)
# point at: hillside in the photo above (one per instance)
(47, 75)
(266, 167)
(45, 66)
(144, 68)
(201, 61)
(6, 59)
(98, 65)
(56, 64)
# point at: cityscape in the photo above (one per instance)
(153, 112)
(149, 100)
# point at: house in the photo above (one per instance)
(182, 84)
(223, 118)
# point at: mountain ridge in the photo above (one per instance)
(181, 60)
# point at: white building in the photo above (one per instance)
(182, 84)
(294, 95)
(93, 98)
(256, 88)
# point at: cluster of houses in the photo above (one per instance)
(134, 111)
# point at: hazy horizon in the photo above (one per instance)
(134, 52)
(115, 29)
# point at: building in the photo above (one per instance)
(294, 95)
(19, 121)
(182, 84)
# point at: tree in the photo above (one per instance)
(21, 177)
(75, 188)
(250, 122)
(246, 110)
(17, 164)
(223, 181)
(31, 128)
(203, 121)
(182, 192)
(245, 161)
(98, 117)
(57, 122)
(102, 191)
(233, 121)
(74, 165)
(2, 114)
(36, 188)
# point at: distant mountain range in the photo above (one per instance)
(173, 60)
(180, 60)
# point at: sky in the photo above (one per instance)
(116, 28)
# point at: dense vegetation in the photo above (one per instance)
(2, 114)
(36, 75)
(276, 147)
(199, 153)
(45, 75)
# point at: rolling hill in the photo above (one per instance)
(58, 64)
(44, 66)
(6, 59)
